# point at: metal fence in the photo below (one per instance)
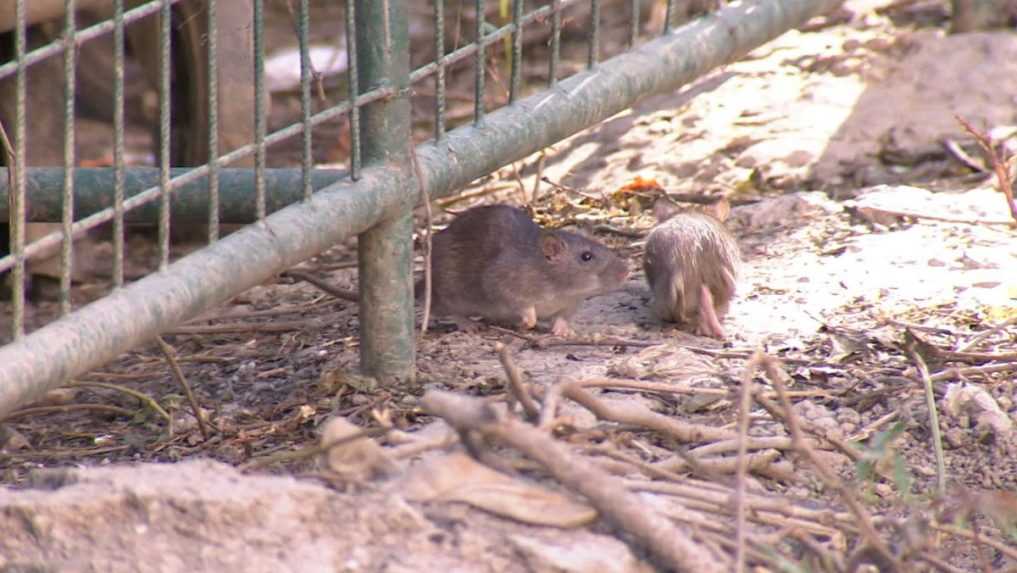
(297, 213)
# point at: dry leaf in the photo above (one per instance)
(355, 461)
(457, 477)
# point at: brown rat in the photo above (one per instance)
(691, 263)
(495, 262)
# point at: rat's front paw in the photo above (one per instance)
(528, 320)
(560, 327)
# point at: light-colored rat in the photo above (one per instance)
(495, 262)
(691, 263)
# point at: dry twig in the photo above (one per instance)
(42, 410)
(865, 526)
(738, 495)
(627, 413)
(670, 545)
(961, 373)
(516, 384)
(141, 396)
(178, 375)
(999, 165)
(247, 327)
(930, 401)
(309, 451)
(428, 237)
(974, 342)
(341, 294)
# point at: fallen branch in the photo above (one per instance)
(634, 414)
(178, 375)
(625, 510)
(987, 333)
(741, 466)
(831, 481)
(140, 396)
(341, 294)
(961, 373)
(247, 327)
(999, 165)
(308, 452)
(516, 385)
(43, 410)
(930, 401)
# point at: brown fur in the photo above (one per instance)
(691, 263)
(495, 262)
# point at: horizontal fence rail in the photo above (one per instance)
(377, 202)
(93, 193)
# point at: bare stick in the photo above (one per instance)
(247, 327)
(515, 378)
(954, 148)
(141, 396)
(1008, 550)
(12, 162)
(626, 413)
(999, 165)
(865, 527)
(270, 312)
(429, 230)
(41, 410)
(716, 468)
(597, 341)
(986, 334)
(519, 181)
(944, 219)
(488, 190)
(738, 495)
(550, 400)
(309, 451)
(541, 159)
(171, 358)
(930, 401)
(670, 545)
(952, 373)
(339, 293)
(777, 414)
(567, 189)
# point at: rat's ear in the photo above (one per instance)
(551, 244)
(664, 209)
(719, 209)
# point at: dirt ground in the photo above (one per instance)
(873, 239)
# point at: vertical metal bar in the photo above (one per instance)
(594, 54)
(118, 143)
(305, 94)
(212, 47)
(353, 80)
(634, 35)
(385, 252)
(17, 222)
(165, 27)
(439, 77)
(668, 14)
(259, 109)
(67, 216)
(552, 71)
(480, 70)
(517, 49)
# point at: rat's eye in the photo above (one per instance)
(587, 256)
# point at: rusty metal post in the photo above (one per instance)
(386, 250)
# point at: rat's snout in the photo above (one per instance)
(618, 271)
(623, 272)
